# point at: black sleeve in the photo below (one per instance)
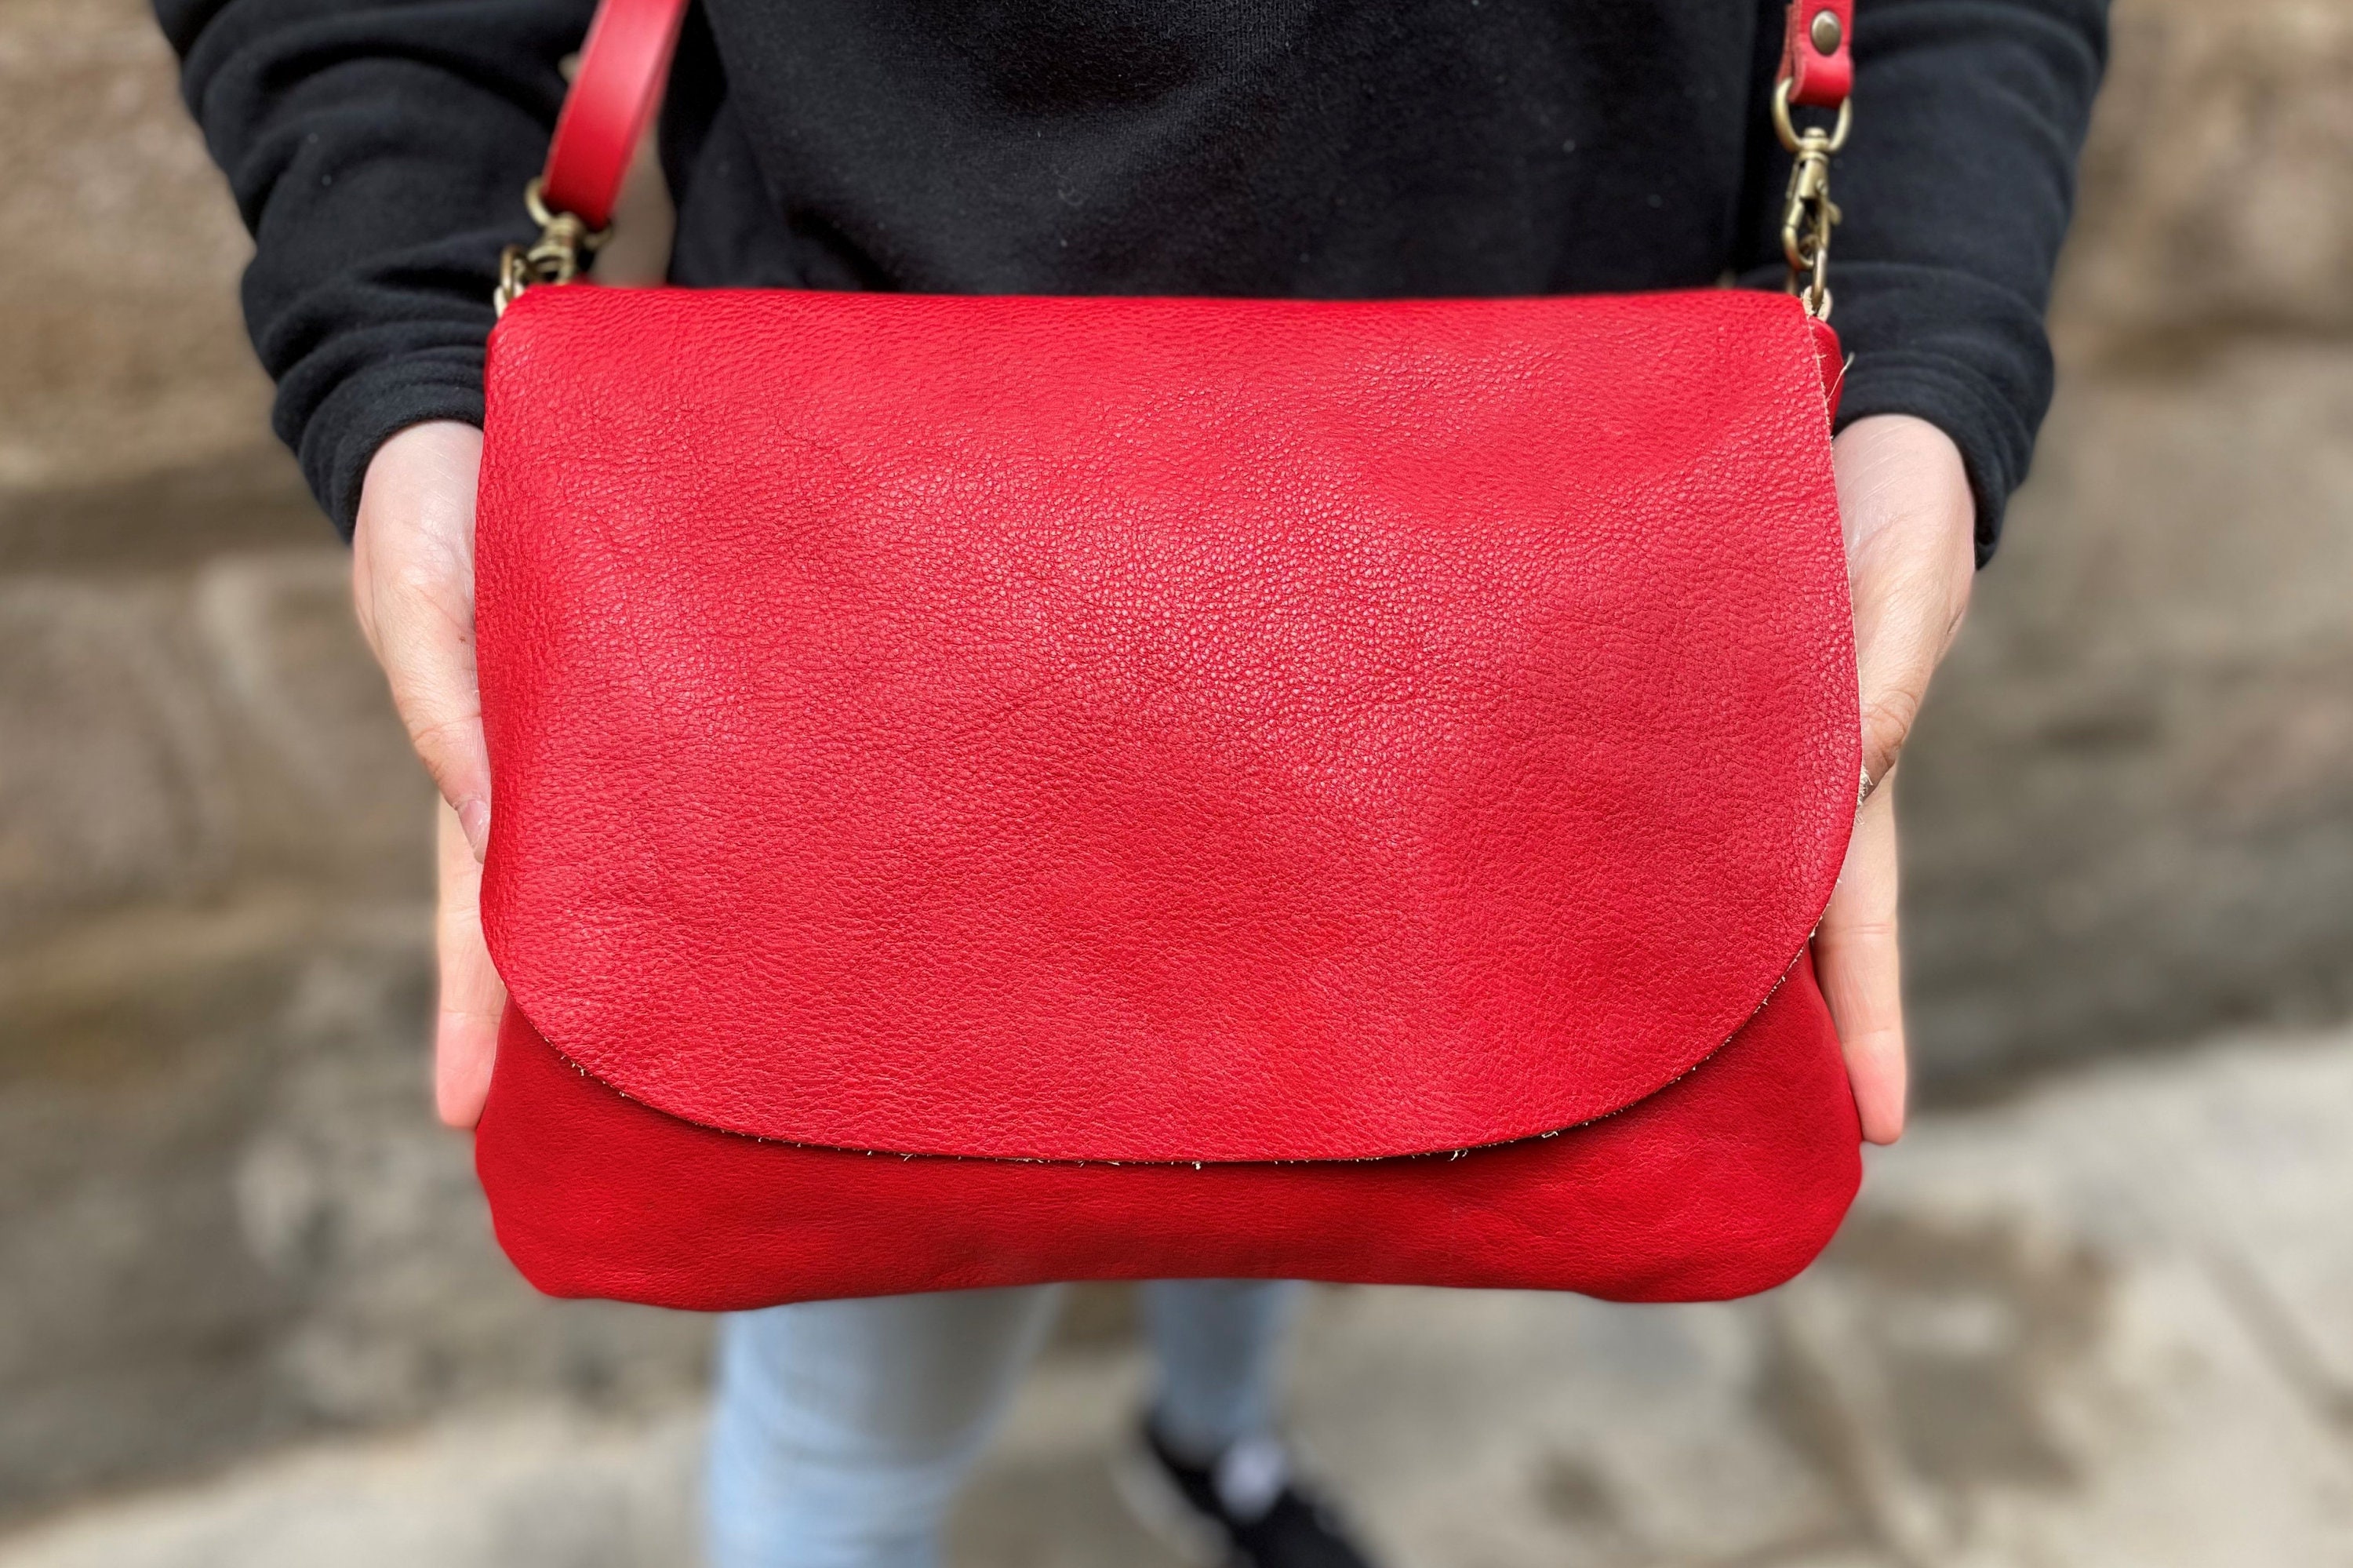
(1957, 186)
(378, 150)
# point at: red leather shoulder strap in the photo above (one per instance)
(626, 62)
(623, 68)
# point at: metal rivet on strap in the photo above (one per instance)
(1826, 32)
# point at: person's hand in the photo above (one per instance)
(1911, 556)
(413, 584)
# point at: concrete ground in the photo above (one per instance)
(2109, 1323)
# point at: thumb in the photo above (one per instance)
(472, 997)
(1856, 958)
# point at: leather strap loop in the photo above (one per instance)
(1818, 52)
(626, 63)
(624, 67)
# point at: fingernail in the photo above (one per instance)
(474, 821)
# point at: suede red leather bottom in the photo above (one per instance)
(1725, 1183)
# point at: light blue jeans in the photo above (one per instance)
(843, 1429)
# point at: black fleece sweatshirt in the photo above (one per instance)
(378, 150)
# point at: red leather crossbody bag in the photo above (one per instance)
(992, 791)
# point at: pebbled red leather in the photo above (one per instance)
(1726, 1182)
(1156, 729)
(1010, 736)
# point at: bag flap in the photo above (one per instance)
(1156, 729)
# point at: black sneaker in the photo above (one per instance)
(1244, 1509)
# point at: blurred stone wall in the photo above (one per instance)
(2129, 812)
(226, 1219)
(226, 1215)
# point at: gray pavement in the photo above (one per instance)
(2107, 1323)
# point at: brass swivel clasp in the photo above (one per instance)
(1809, 214)
(561, 253)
